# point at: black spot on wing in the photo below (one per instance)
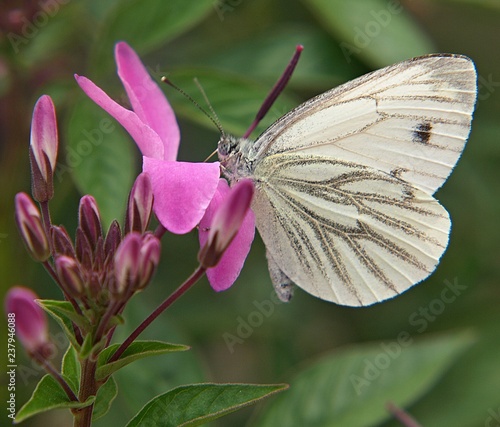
(422, 133)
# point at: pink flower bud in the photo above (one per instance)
(43, 148)
(149, 259)
(61, 242)
(127, 261)
(30, 320)
(113, 239)
(70, 275)
(29, 223)
(226, 223)
(140, 205)
(90, 219)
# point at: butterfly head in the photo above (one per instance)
(233, 157)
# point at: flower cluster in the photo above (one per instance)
(99, 272)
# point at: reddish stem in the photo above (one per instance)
(198, 273)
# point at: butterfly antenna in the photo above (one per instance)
(215, 120)
(276, 90)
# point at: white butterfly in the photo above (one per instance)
(344, 182)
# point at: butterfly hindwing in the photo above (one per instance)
(344, 232)
(412, 118)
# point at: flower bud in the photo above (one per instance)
(30, 320)
(70, 275)
(127, 260)
(29, 223)
(43, 149)
(90, 219)
(113, 239)
(140, 205)
(61, 241)
(84, 251)
(226, 222)
(149, 259)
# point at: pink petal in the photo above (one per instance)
(225, 273)
(182, 191)
(44, 133)
(147, 99)
(146, 138)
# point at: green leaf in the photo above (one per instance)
(64, 309)
(64, 313)
(100, 157)
(137, 350)
(146, 25)
(70, 368)
(48, 395)
(194, 405)
(379, 32)
(351, 388)
(105, 396)
(264, 56)
(235, 99)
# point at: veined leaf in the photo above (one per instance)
(64, 314)
(48, 395)
(351, 388)
(105, 396)
(137, 350)
(197, 404)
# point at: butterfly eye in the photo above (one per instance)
(226, 146)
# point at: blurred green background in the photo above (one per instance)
(449, 375)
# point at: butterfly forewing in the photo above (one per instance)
(412, 118)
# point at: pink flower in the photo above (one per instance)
(30, 320)
(184, 193)
(182, 190)
(226, 233)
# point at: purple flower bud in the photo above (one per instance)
(30, 320)
(29, 223)
(149, 259)
(84, 250)
(140, 205)
(70, 275)
(113, 239)
(127, 263)
(43, 149)
(90, 219)
(61, 241)
(226, 223)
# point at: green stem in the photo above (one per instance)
(198, 273)
(88, 388)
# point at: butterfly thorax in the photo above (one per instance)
(234, 156)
